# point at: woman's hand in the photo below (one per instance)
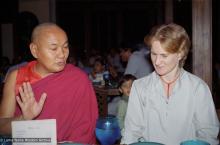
(29, 106)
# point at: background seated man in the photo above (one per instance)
(49, 88)
(137, 61)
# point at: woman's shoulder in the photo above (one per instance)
(145, 84)
(146, 80)
(192, 78)
(193, 82)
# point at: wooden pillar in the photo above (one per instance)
(119, 28)
(109, 34)
(87, 27)
(169, 11)
(98, 31)
(202, 39)
(52, 10)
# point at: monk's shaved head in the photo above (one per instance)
(42, 28)
(50, 48)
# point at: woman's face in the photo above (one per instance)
(164, 62)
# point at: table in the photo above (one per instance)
(102, 93)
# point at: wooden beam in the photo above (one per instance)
(169, 11)
(87, 32)
(202, 39)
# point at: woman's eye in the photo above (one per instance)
(153, 54)
(164, 56)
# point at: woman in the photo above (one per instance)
(170, 105)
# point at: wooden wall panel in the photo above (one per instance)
(169, 11)
(202, 39)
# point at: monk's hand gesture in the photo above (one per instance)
(29, 106)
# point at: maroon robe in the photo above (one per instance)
(71, 101)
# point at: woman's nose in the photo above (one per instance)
(157, 60)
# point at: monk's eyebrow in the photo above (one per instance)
(67, 42)
(55, 44)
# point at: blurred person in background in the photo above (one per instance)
(137, 61)
(124, 87)
(114, 60)
(96, 76)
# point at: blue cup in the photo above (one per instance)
(107, 130)
(106, 77)
(194, 142)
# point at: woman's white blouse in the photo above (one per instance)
(189, 113)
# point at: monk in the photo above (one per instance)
(48, 88)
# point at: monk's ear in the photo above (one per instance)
(33, 48)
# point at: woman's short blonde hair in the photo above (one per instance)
(172, 37)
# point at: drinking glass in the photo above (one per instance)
(106, 77)
(107, 130)
(194, 142)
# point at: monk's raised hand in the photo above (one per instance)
(29, 106)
